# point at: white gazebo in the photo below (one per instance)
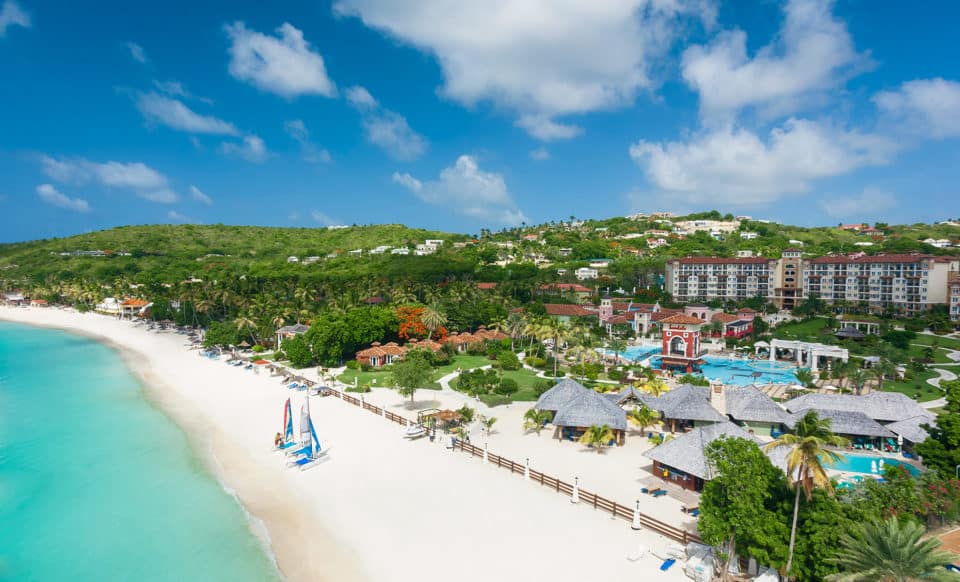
(806, 353)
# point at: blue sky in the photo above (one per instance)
(462, 115)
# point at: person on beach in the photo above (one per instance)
(278, 440)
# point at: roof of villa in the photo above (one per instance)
(682, 319)
(297, 328)
(568, 310)
(589, 408)
(746, 403)
(724, 317)
(846, 422)
(882, 406)
(561, 394)
(685, 402)
(686, 452)
(910, 428)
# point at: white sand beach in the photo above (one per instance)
(379, 507)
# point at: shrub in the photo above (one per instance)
(353, 365)
(258, 349)
(298, 352)
(615, 374)
(440, 358)
(507, 387)
(508, 360)
(535, 362)
(365, 367)
(541, 386)
(492, 400)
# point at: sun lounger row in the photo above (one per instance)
(658, 492)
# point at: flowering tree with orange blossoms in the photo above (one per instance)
(411, 323)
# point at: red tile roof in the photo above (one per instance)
(682, 319)
(560, 309)
(847, 259)
(486, 285)
(724, 317)
(723, 260)
(665, 313)
(618, 319)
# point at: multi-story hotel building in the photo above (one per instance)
(953, 296)
(707, 278)
(907, 284)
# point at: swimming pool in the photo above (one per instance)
(638, 353)
(744, 372)
(865, 464)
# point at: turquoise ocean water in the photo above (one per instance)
(97, 484)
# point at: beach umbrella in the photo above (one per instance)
(575, 497)
(900, 441)
(261, 362)
(244, 344)
(636, 517)
(873, 466)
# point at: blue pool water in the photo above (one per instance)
(744, 372)
(97, 484)
(862, 464)
(639, 353)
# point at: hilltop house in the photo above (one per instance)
(584, 273)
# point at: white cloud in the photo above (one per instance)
(177, 89)
(51, 195)
(546, 129)
(312, 154)
(812, 54)
(930, 107)
(734, 165)
(137, 52)
(282, 64)
(157, 108)
(540, 154)
(161, 196)
(360, 98)
(870, 202)
(12, 15)
(198, 195)
(391, 133)
(177, 217)
(407, 181)
(467, 190)
(322, 218)
(251, 149)
(539, 58)
(138, 177)
(386, 129)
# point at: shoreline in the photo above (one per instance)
(379, 507)
(276, 521)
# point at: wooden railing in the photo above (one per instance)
(587, 497)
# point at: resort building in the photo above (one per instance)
(15, 298)
(680, 339)
(872, 418)
(566, 312)
(575, 408)
(127, 307)
(683, 460)
(687, 407)
(809, 354)
(906, 283)
(953, 286)
(728, 279)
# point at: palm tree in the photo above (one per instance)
(558, 331)
(245, 322)
(617, 346)
(487, 423)
(857, 379)
(643, 417)
(891, 551)
(597, 436)
(655, 387)
(804, 376)
(534, 420)
(807, 461)
(881, 370)
(432, 318)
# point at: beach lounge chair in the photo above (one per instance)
(667, 564)
(654, 491)
(644, 490)
(660, 493)
(695, 512)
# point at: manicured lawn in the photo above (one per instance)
(916, 385)
(525, 380)
(943, 342)
(378, 378)
(801, 330)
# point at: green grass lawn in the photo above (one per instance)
(943, 342)
(801, 330)
(379, 378)
(525, 380)
(916, 385)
